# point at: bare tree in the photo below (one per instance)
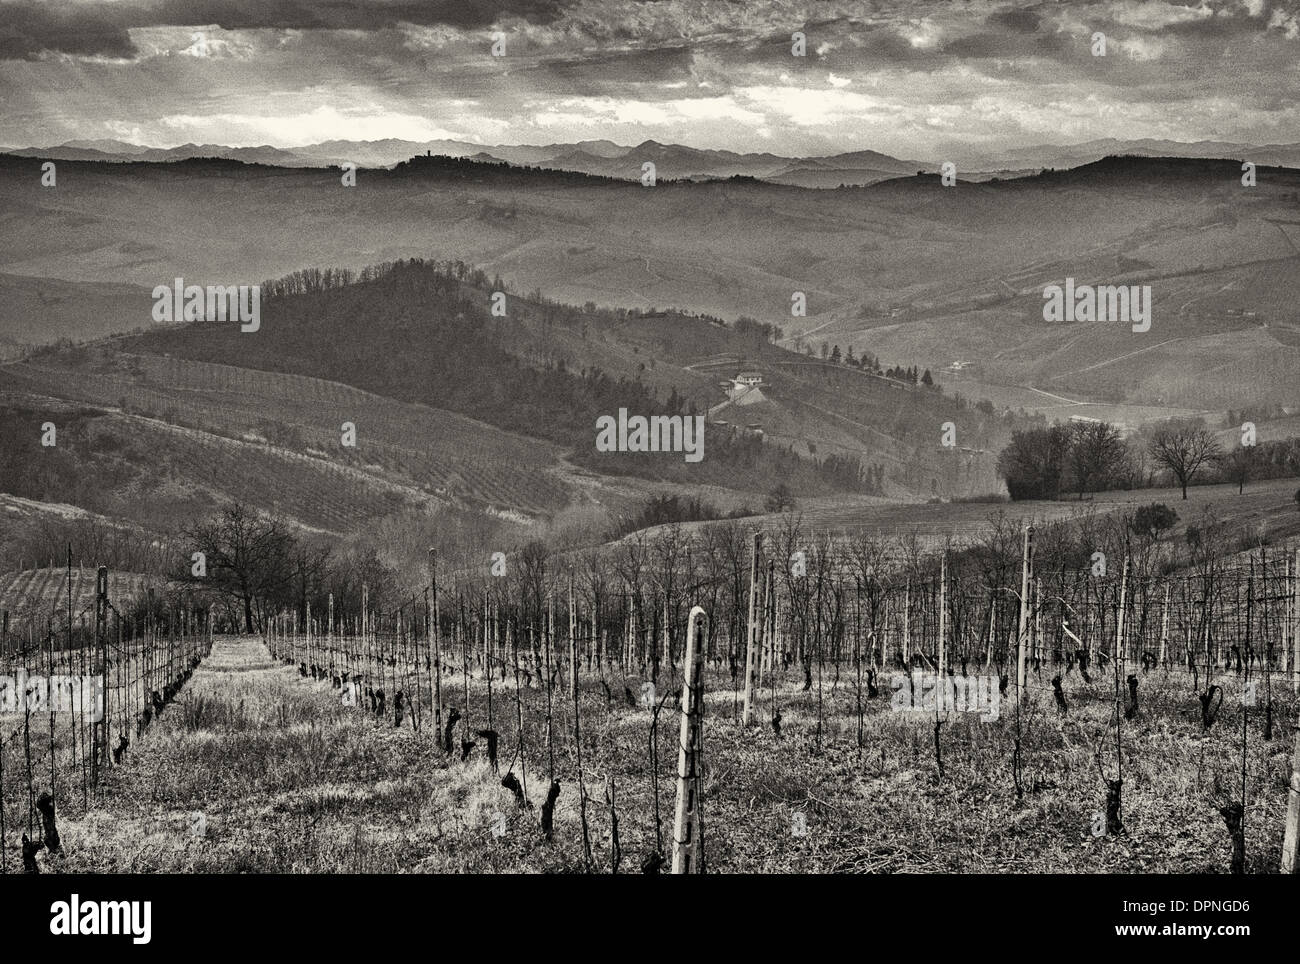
(1184, 448)
(251, 560)
(1238, 466)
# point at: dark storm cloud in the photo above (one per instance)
(27, 29)
(883, 44)
(33, 28)
(1019, 21)
(596, 73)
(343, 14)
(1010, 46)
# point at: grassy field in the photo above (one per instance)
(1266, 509)
(257, 769)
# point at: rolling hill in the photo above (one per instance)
(905, 269)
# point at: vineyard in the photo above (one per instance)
(1100, 684)
(295, 421)
(1090, 683)
(31, 599)
(76, 697)
(818, 704)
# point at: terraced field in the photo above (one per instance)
(432, 453)
(33, 594)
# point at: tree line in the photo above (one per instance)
(1057, 460)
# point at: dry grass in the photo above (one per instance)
(289, 780)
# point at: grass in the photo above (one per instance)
(287, 779)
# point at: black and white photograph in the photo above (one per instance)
(651, 437)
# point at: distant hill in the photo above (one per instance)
(466, 423)
(428, 336)
(39, 310)
(600, 157)
(609, 159)
(905, 269)
(119, 152)
(1057, 156)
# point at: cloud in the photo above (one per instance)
(31, 28)
(1142, 48)
(1288, 23)
(1016, 20)
(28, 29)
(322, 123)
(1012, 45)
(896, 75)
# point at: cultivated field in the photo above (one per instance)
(288, 779)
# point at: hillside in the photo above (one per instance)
(471, 430)
(33, 596)
(905, 269)
(546, 371)
(601, 157)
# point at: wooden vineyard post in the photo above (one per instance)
(688, 828)
(764, 643)
(101, 641)
(1295, 625)
(1287, 606)
(573, 640)
(1036, 608)
(407, 664)
(627, 639)
(1026, 570)
(884, 634)
(1164, 629)
(667, 648)
(1291, 838)
(773, 655)
(750, 635)
(993, 625)
(1121, 648)
(577, 716)
(907, 626)
(943, 620)
(437, 642)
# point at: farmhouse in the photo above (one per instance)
(745, 388)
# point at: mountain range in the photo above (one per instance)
(673, 161)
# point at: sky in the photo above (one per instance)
(911, 79)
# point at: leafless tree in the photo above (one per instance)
(1184, 448)
(250, 560)
(1239, 464)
